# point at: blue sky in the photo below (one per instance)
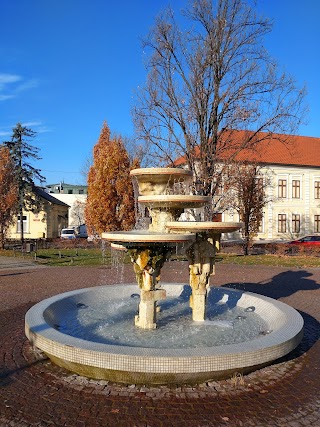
(68, 65)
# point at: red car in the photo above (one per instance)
(306, 241)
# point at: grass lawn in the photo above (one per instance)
(96, 256)
(65, 256)
(291, 261)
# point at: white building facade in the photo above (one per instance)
(294, 206)
(293, 171)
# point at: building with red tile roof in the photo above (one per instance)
(269, 150)
(293, 163)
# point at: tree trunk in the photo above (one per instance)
(246, 236)
(246, 246)
(1, 237)
(21, 227)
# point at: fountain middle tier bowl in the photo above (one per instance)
(203, 227)
(179, 201)
(136, 238)
(91, 332)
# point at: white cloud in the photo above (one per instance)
(29, 124)
(44, 129)
(5, 97)
(28, 84)
(12, 84)
(36, 125)
(8, 78)
(5, 133)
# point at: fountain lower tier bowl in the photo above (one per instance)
(135, 238)
(91, 332)
(208, 227)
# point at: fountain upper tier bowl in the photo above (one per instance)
(159, 180)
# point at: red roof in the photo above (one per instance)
(274, 149)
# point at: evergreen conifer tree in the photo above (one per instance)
(22, 153)
(8, 193)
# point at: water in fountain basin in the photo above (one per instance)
(112, 323)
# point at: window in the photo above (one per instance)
(25, 224)
(295, 223)
(317, 189)
(317, 223)
(282, 188)
(70, 191)
(296, 189)
(282, 223)
(81, 192)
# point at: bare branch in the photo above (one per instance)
(209, 79)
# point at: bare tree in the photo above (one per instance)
(85, 168)
(249, 189)
(78, 212)
(137, 151)
(209, 80)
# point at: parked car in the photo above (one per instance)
(306, 241)
(68, 233)
(81, 231)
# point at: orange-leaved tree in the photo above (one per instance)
(8, 193)
(110, 202)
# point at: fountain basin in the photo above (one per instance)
(158, 364)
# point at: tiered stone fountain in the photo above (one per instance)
(149, 249)
(126, 355)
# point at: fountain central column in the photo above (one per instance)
(201, 255)
(147, 267)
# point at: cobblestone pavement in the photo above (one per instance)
(33, 392)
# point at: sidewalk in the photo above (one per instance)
(16, 263)
(33, 392)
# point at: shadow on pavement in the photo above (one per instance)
(14, 274)
(283, 285)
